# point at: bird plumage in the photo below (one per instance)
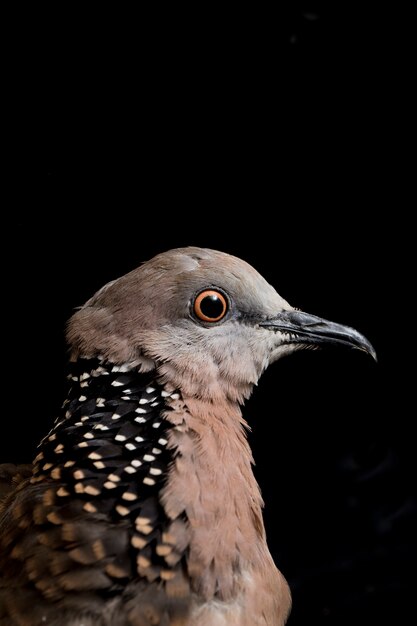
(141, 506)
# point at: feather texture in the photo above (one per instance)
(141, 507)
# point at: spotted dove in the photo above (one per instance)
(141, 507)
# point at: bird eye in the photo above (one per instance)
(210, 306)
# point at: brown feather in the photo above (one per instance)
(107, 534)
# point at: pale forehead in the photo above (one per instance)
(193, 259)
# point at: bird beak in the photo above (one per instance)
(305, 329)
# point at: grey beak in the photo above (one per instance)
(308, 329)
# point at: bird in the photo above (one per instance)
(141, 506)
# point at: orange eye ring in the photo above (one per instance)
(210, 305)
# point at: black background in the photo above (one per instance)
(281, 137)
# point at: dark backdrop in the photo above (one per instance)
(279, 137)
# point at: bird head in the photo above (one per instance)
(206, 321)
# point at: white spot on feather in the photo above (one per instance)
(89, 506)
(128, 495)
(122, 510)
(95, 456)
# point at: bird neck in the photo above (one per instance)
(212, 481)
(142, 454)
(109, 445)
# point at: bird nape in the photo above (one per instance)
(141, 506)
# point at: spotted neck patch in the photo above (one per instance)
(111, 429)
(108, 453)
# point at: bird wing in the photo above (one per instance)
(10, 476)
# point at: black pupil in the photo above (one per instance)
(212, 306)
